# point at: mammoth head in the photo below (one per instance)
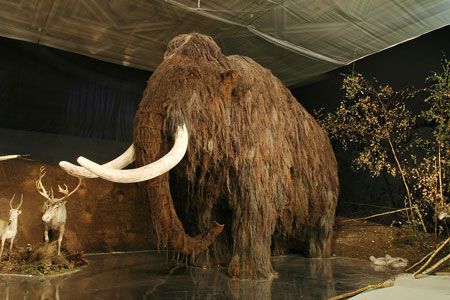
(182, 44)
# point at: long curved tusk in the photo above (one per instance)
(159, 167)
(120, 162)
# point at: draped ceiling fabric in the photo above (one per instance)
(295, 39)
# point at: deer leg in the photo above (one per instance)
(11, 242)
(46, 233)
(61, 234)
(1, 250)
(57, 292)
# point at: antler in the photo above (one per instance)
(21, 201)
(40, 186)
(20, 204)
(11, 201)
(65, 190)
(50, 195)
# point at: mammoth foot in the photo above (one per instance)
(253, 268)
(320, 247)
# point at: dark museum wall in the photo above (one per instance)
(49, 90)
(56, 105)
(407, 64)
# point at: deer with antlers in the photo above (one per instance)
(8, 230)
(54, 210)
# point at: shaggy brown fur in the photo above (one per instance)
(256, 162)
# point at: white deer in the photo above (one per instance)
(54, 210)
(9, 230)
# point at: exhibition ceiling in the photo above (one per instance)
(297, 40)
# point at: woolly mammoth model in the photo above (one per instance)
(255, 164)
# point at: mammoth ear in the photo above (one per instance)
(228, 81)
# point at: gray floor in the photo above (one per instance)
(408, 288)
(147, 276)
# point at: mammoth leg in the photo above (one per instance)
(60, 237)
(1, 250)
(11, 242)
(320, 240)
(320, 236)
(252, 229)
(46, 233)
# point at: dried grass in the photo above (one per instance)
(42, 261)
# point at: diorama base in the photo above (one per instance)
(43, 261)
(149, 275)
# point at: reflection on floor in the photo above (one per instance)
(148, 276)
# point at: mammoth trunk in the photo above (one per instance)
(167, 224)
(150, 146)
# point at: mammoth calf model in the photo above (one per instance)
(248, 167)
